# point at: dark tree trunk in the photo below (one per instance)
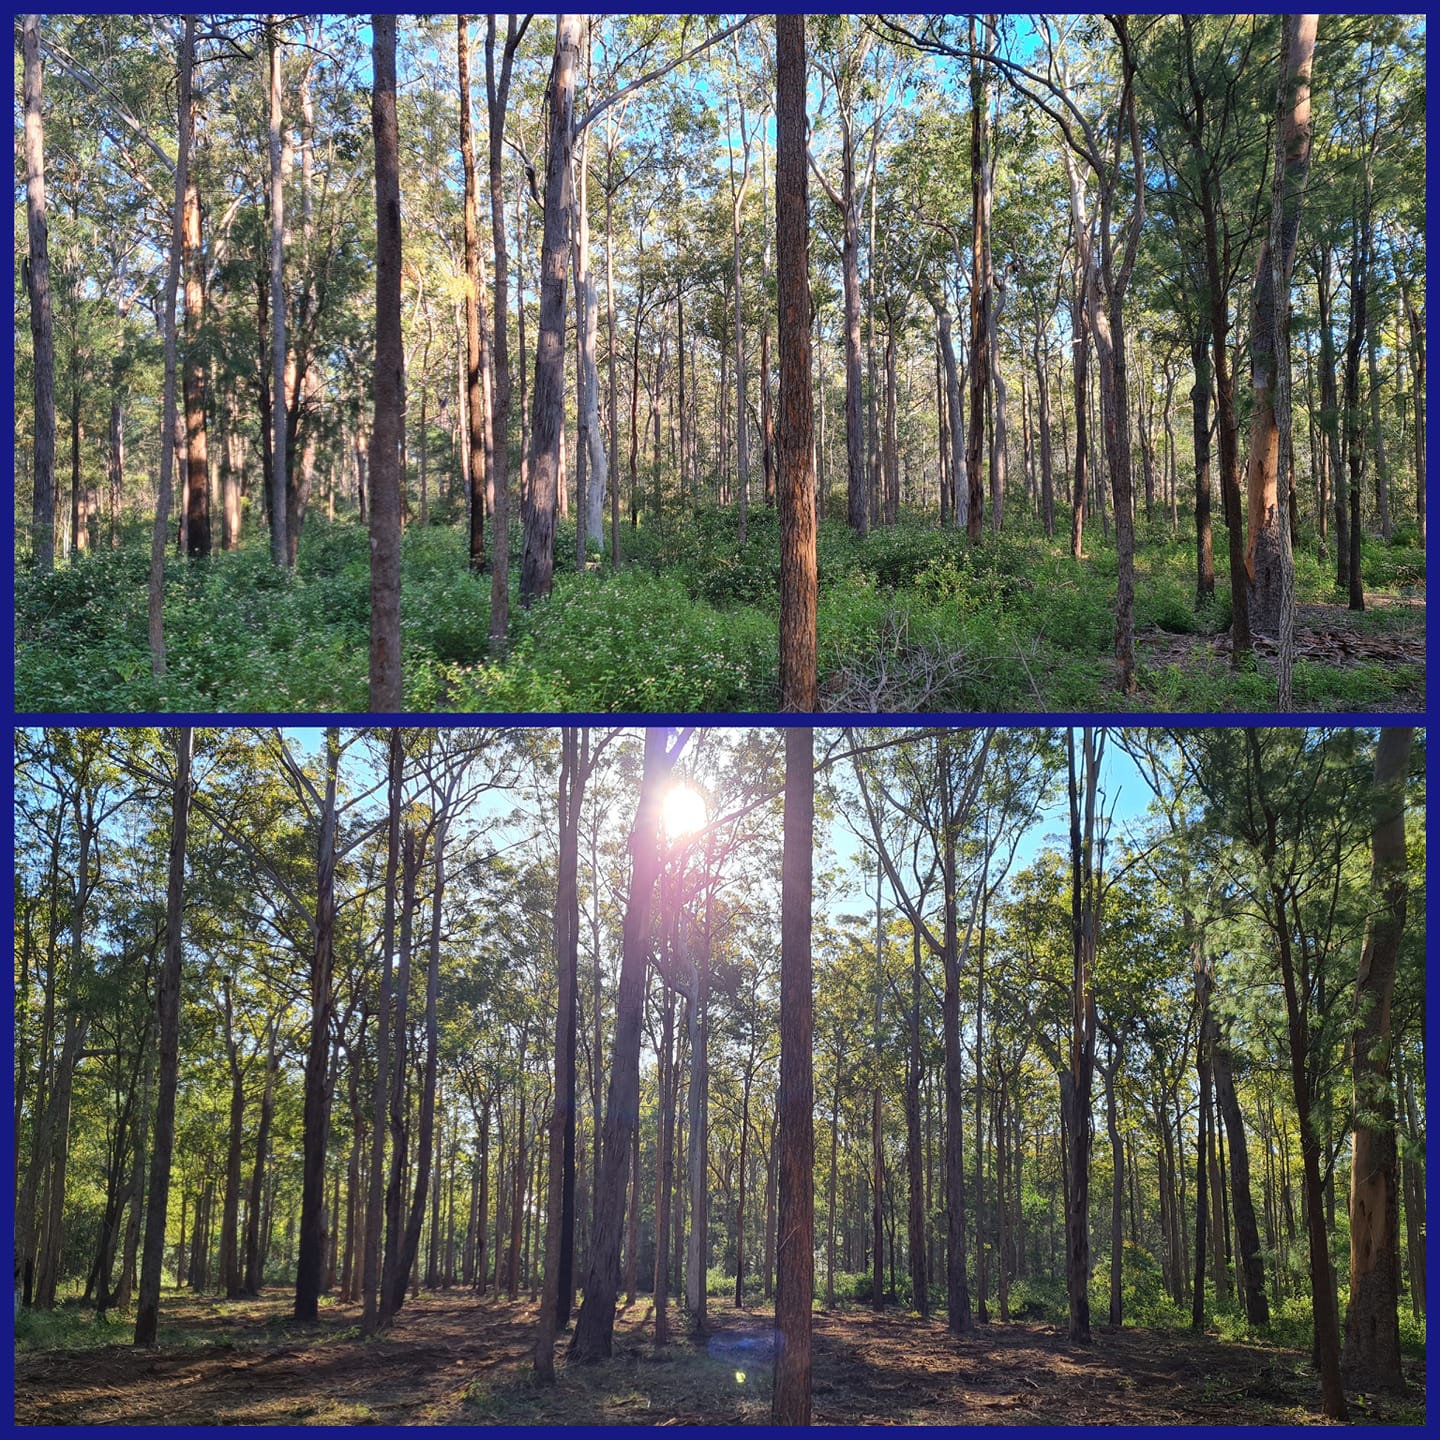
(595, 1324)
(1371, 1357)
(790, 1403)
(1200, 412)
(548, 418)
(254, 1256)
(147, 1318)
(480, 441)
(310, 1263)
(385, 481)
(560, 1202)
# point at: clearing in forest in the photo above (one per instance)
(458, 1360)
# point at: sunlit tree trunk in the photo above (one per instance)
(595, 1325)
(37, 279)
(795, 468)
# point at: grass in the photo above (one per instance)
(911, 618)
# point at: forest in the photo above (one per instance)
(719, 1075)
(458, 343)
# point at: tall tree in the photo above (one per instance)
(37, 281)
(1269, 560)
(279, 440)
(385, 486)
(547, 427)
(1371, 1357)
(197, 461)
(595, 1325)
(480, 446)
(172, 431)
(796, 453)
(497, 100)
(147, 1315)
(795, 1102)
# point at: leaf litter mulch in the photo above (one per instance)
(1389, 636)
(454, 1359)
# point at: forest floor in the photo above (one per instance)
(453, 1359)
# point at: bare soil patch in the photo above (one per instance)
(459, 1359)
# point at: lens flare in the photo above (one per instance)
(683, 811)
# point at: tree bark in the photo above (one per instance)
(147, 1317)
(385, 475)
(497, 102)
(37, 279)
(595, 1324)
(1371, 1357)
(1269, 564)
(310, 1262)
(795, 455)
(172, 431)
(548, 416)
(480, 443)
(279, 466)
(790, 1401)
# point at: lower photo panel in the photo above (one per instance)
(719, 1075)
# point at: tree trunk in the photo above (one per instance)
(385, 474)
(1079, 485)
(254, 1255)
(172, 431)
(310, 1263)
(497, 100)
(858, 513)
(914, 1156)
(1269, 563)
(480, 443)
(1047, 464)
(1371, 1358)
(147, 1318)
(790, 1402)
(980, 203)
(37, 278)
(595, 1324)
(560, 1200)
(279, 467)
(548, 419)
(1200, 413)
(1252, 1263)
(957, 1293)
(960, 486)
(1086, 882)
(795, 457)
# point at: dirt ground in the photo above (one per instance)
(1390, 633)
(454, 1359)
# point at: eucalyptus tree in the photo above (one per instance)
(1371, 1355)
(37, 282)
(385, 477)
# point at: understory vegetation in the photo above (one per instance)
(911, 618)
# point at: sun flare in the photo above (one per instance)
(684, 811)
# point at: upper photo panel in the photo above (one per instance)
(709, 364)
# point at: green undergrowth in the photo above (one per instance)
(910, 618)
